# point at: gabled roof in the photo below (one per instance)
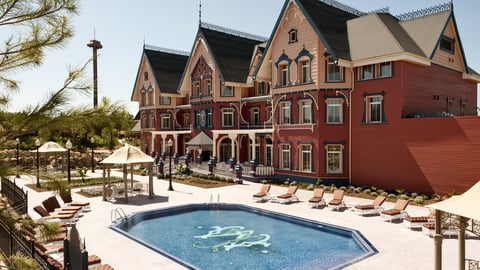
(167, 66)
(377, 35)
(330, 23)
(426, 30)
(231, 51)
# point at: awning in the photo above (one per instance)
(201, 141)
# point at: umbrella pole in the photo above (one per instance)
(437, 238)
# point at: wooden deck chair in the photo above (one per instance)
(289, 196)
(263, 194)
(397, 212)
(68, 218)
(317, 199)
(373, 208)
(417, 222)
(337, 202)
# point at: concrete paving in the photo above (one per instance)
(399, 247)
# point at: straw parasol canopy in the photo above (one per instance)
(130, 155)
(50, 147)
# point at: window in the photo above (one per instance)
(334, 158)
(186, 120)
(285, 113)
(374, 109)
(447, 44)
(152, 120)
(228, 91)
(334, 72)
(196, 89)
(143, 98)
(263, 89)
(145, 76)
(255, 116)
(165, 100)
(385, 69)
(208, 87)
(304, 71)
(150, 97)
(292, 36)
(334, 111)
(283, 76)
(305, 111)
(144, 121)
(306, 158)
(227, 118)
(198, 119)
(165, 121)
(285, 156)
(367, 72)
(209, 118)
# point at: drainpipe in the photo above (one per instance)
(350, 128)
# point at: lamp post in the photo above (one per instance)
(37, 144)
(169, 144)
(92, 140)
(69, 146)
(17, 143)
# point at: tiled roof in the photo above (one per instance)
(167, 66)
(331, 22)
(232, 52)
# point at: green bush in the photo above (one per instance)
(374, 193)
(404, 197)
(392, 196)
(367, 191)
(384, 194)
(418, 200)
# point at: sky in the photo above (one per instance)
(123, 28)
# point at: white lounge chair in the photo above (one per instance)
(373, 208)
(287, 197)
(263, 194)
(418, 221)
(397, 212)
(337, 202)
(317, 199)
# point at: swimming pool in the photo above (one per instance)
(232, 236)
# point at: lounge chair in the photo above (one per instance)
(263, 194)
(52, 205)
(317, 199)
(397, 212)
(417, 222)
(373, 208)
(69, 218)
(337, 202)
(287, 197)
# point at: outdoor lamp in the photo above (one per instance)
(169, 144)
(69, 146)
(92, 140)
(17, 143)
(37, 144)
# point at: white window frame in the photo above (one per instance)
(333, 69)
(367, 72)
(227, 116)
(334, 105)
(285, 157)
(254, 116)
(305, 111)
(384, 73)
(285, 113)
(283, 74)
(306, 157)
(186, 119)
(165, 100)
(374, 103)
(334, 152)
(165, 121)
(305, 71)
(208, 86)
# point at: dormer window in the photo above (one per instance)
(145, 76)
(447, 44)
(292, 36)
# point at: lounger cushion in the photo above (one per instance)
(315, 199)
(335, 202)
(391, 212)
(284, 196)
(260, 194)
(365, 206)
(416, 219)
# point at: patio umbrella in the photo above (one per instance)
(51, 147)
(129, 154)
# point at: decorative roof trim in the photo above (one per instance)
(230, 31)
(344, 7)
(425, 11)
(165, 50)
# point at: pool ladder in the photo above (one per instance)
(117, 213)
(211, 199)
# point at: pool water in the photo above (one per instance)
(225, 236)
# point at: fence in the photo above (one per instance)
(16, 196)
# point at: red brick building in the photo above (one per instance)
(334, 94)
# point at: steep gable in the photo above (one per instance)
(232, 51)
(167, 67)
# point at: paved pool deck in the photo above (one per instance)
(398, 247)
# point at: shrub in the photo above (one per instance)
(414, 195)
(404, 197)
(343, 188)
(392, 196)
(374, 193)
(358, 190)
(384, 194)
(380, 191)
(399, 191)
(310, 187)
(418, 199)
(367, 191)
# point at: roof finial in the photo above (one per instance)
(200, 13)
